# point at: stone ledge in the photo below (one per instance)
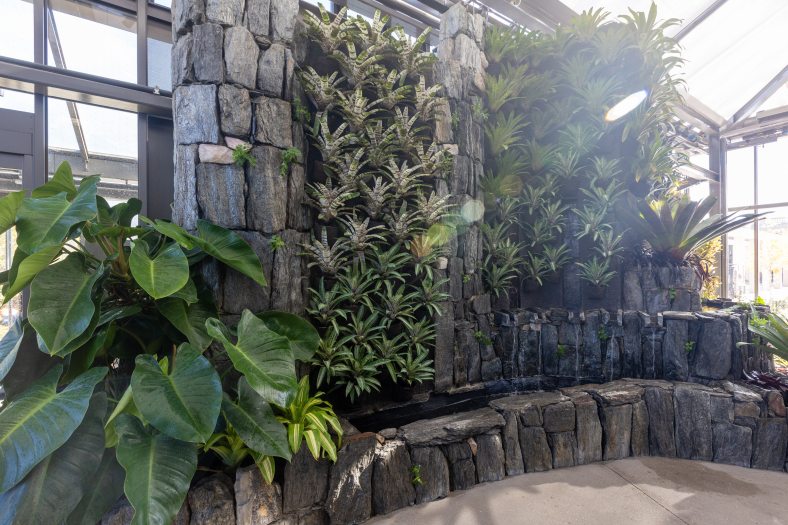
(451, 429)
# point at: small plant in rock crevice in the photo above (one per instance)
(561, 350)
(242, 156)
(415, 475)
(482, 338)
(603, 334)
(289, 156)
(277, 243)
(689, 346)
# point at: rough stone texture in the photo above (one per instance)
(274, 122)
(453, 428)
(256, 502)
(256, 16)
(775, 403)
(182, 65)
(120, 514)
(283, 19)
(639, 442)
(444, 349)
(721, 409)
(305, 481)
(298, 214)
(616, 393)
(589, 430)
(617, 426)
(391, 478)
(732, 444)
(693, 423)
(489, 458)
(559, 417)
(212, 501)
(288, 274)
(769, 443)
(434, 473)
(266, 201)
(712, 360)
(511, 444)
(632, 361)
(207, 44)
(350, 484)
(674, 353)
(563, 446)
(270, 71)
(215, 154)
(220, 194)
(462, 471)
(196, 119)
(186, 14)
(537, 456)
(235, 110)
(185, 187)
(592, 351)
(225, 12)
(240, 57)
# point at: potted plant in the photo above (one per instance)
(415, 366)
(597, 274)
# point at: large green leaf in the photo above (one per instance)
(261, 355)
(9, 205)
(40, 421)
(158, 469)
(62, 181)
(61, 307)
(189, 319)
(25, 267)
(45, 222)
(107, 488)
(57, 484)
(303, 337)
(183, 404)
(9, 346)
(254, 420)
(161, 275)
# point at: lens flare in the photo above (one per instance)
(472, 211)
(626, 105)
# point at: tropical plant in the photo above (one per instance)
(415, 367)
(312, 420)
(289, 156)
(596, 272)
(673, 228)
(109, 385)
(242, 156)
(772, 328)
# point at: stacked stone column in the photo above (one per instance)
(233, 76)
(461, 357)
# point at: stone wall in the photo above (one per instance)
(377, 473)
(233, 67)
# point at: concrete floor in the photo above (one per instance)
(642, 491)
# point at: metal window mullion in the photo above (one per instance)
(757, 221)
(38, 175)
(142, 121)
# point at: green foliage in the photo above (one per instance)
(382, 228)
(289, 156)
(689, 346)
(596, 272)
(561, 350)
(674, 228)
(277, 243)
(772, 329)
(310, 419)
(131, 326)
(482, 338)
(242, 156)
(415, 475)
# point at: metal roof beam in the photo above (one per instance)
(762, 96)
(695, 22)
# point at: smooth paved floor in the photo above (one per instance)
(637, 491)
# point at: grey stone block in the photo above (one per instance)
(240, 57)
(235, 111)
(489, 458)
(185, 211)
(212, 501)
(462, 471)
(639, 442)
(274, 122)
(305, 481)
(714, 350)
(207, 53)
(769, 444)
(225, 12)
(266, 201)
(239, 291)
(674, 353)
(185, 14)
(220, 194)
(256, 502)
(288, 276)
(196, 118)
(537, 455)
(434, 472)
(350, 483)
(391, 478)
(270, 71)
(693, 423)
(588, 430)
(452, 428)
(563, 446)
(283, 19)
(732, 444)
(182, 65)
(617, 425)
(257, 16)
(559, 417)
(511, 444)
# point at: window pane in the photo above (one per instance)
(93, 39)
(110, 139)
(10, 99)
(163, 3)
(159, 47)
(773, 172)
(741, 263)
(16, 29)
(741, 183)
(10, 180)
(773, 259)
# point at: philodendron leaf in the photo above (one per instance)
(189, 319)
(183, 404)
(158, 469)
(261, 355)
(26, 266)
(40, 420)
(62, 181)
(254, 420)
(9, 346)
(54, 488)
(9, 205)
(300, 333)
(61, 307)
(45, 222)
(161, 275)
(107, 483)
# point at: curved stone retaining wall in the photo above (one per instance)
(377, 473)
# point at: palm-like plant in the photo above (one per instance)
(596, 272)
(772, 328)
(674, 228)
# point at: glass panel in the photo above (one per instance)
(741, 263)
(773, 172)
(733, 53)
(110, 137)
(773, 259)
(699, 191)
(685, 10)
(159, 47)
(16, 29)
(10, 180)
(10, 99)
(741, 183)
(94, 39)
(163, 3)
